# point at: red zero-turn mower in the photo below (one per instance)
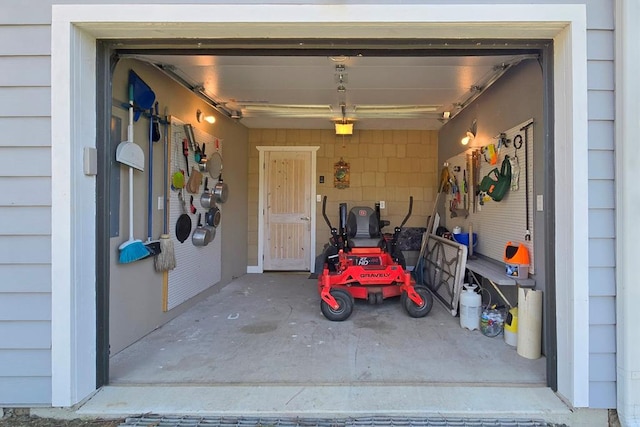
(362, 263)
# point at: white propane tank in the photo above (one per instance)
(470, 307)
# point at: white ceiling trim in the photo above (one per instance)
(379, 21)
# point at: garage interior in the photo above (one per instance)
(266, 328)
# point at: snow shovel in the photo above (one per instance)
(143, 96)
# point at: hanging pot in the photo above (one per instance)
(207, 199)
(211, 234)
(213, 216)
(220, 191)
(201, 235)
(183, 225)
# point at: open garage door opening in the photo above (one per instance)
(408, 113)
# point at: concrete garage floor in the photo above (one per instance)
(261, 347)
(268, 329)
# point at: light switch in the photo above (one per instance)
(318, 197)
(539, 203)
(382, 204)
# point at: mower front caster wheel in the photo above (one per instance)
(415, 310)
(345, 306)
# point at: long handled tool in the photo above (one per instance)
(166, 260)
(152, 245)
(430, 222)
(130, 154)
(418, 271)
(525, 128)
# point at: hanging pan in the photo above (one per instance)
(220, 191)
(212, 216)
(202, 235)
(183, 225)
(206, 198)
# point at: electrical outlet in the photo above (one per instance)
(539, 203)
(160, 203)
(382, 204)
(318, 197)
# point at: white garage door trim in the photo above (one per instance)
(75, 29)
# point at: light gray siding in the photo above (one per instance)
(25, 210)
(601, 98)
(26, 132)
(26, 390)
(25, 104)
(35, 362)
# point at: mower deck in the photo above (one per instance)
(372, 275)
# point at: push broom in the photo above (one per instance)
(166, 259)
(153, 246)
(131, 155)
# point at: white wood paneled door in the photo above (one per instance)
(287, 210)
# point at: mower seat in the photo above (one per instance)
(363, 228)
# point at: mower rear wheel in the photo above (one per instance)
(345, 306)
(415, 310)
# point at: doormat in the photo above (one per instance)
(193, 421)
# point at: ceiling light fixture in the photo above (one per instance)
(470, 134)
(200, 116)
(470, 137)
(344, 127)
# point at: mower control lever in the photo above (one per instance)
(398, 229)
(408, 213)
(334, 231)
(324, 213)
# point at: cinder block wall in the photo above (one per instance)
(388, 165)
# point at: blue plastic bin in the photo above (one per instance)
(463, 238)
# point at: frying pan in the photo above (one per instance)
(183, 225)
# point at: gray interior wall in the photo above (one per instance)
(514, 99)
(136, 297)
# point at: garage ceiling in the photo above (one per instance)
(313, 92)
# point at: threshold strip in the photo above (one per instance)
(214, 421)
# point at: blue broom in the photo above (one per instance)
(132, 249)
(130, 154)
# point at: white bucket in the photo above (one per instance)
(529, 323)
(470, 307)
